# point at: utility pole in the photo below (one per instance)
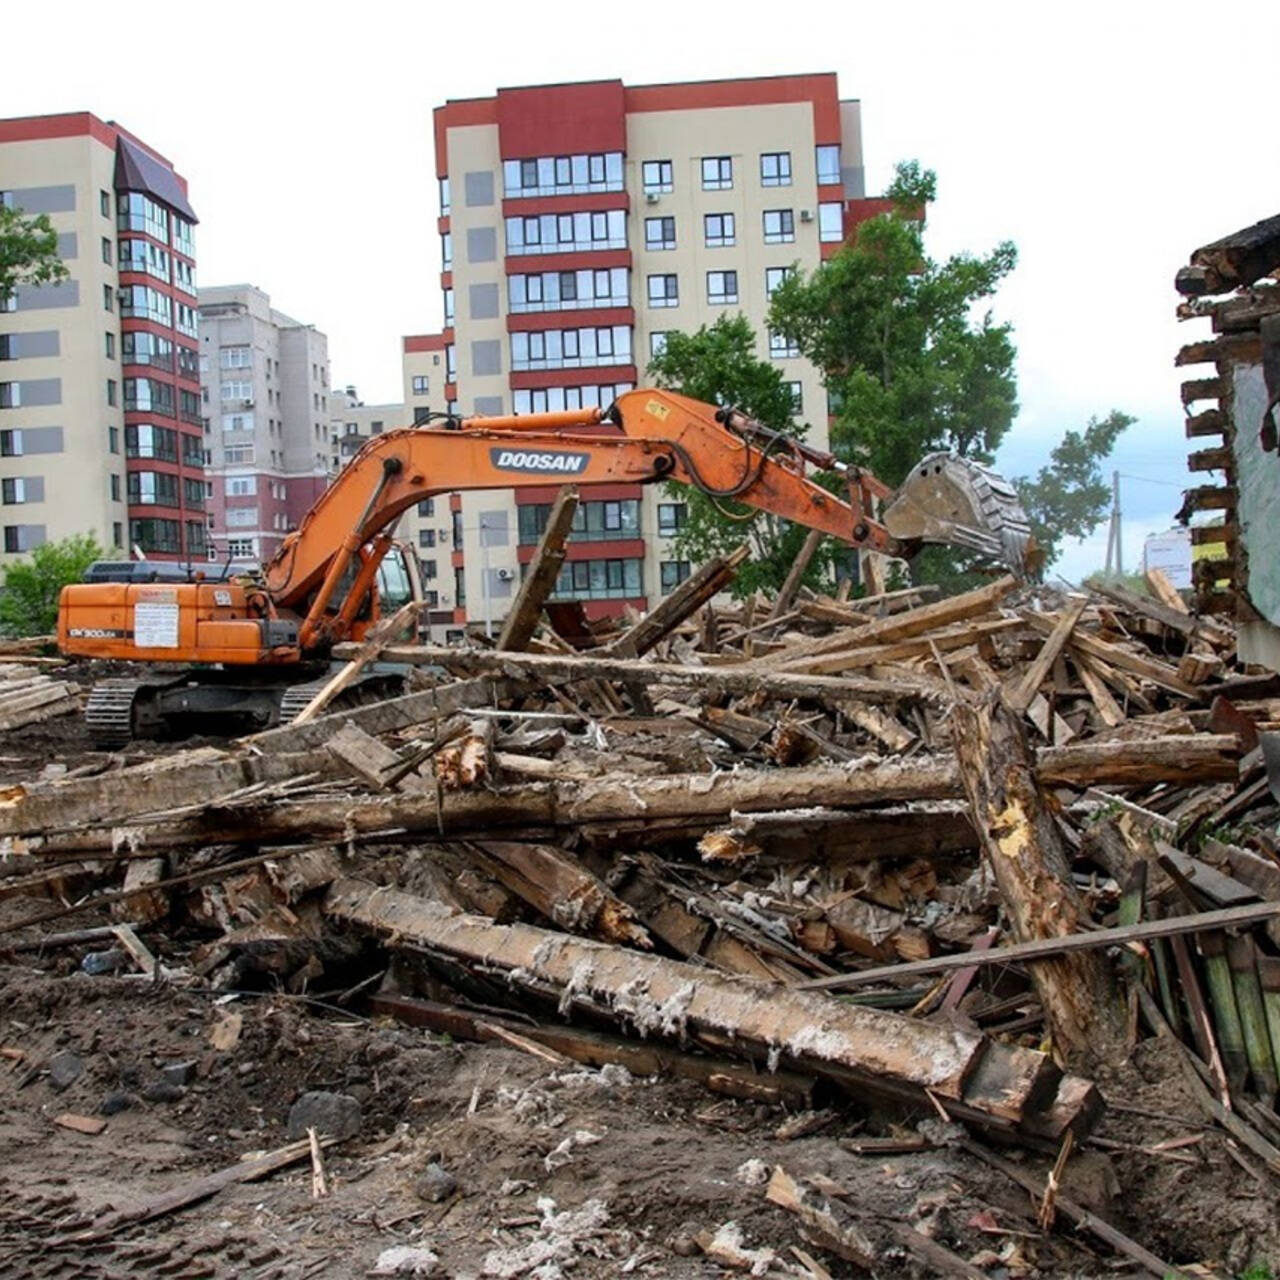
(1115, 547)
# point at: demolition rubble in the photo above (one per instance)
(804, 937)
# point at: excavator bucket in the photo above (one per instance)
(949, 500)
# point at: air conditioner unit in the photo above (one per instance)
(651, 197)
(806, 215)
(505, 575)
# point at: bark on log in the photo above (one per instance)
(522, 618)
(970, 1075)
(1031, 869)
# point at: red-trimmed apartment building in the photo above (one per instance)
(100, 423)
(579, 225)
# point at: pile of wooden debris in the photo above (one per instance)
(953, 852)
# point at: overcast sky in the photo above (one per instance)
(1106, 140)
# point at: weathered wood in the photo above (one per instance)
(370, 760)
(467, 760)
(670, 997)
(1234, 261)
(819, 1226)
(1201, 757)
(1175, 619)
(795, 575)
(682, 603)
(557, 885)
(1241, 957)
(1019, 698)
(380, 635)
(1163, 589)
(865, 655)
(855, 612)
(540, 579)
(1025, 853)
(141, 900)
(1157, 672)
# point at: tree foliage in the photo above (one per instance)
(719, 365)
(28, 250)
(29, 598)
(1070, 496)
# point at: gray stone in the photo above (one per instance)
(65, 1069)
(110, 961)
(163, 1091)
(115, 1101)
(336, 1114)
(436, 1184)
(179, 1072)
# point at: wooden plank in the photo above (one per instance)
(1163, 589)
(540, 579)
(795, 575)
(1148, 668)
(1019, 698)
(1045, 948)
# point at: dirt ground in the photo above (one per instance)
(582, 1173)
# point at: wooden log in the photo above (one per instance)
(596, 1049)
(1025, 853)
(363, 756)
(1201, 757)
(1176, 619)
(540, 579)
(854, 613)
(668, 998)
(1148, 668)
(140, 899)
(1024, 690)
(795, 575)
(1163, 589)
(467, 760)
(865, 655)
(557, 885)
(682, 603)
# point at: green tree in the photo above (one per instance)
(29, 598)
(719, 365)
(28, 251)
(1070, 497)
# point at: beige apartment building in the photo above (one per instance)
(582, 223)
(267, 420)
(100, 422)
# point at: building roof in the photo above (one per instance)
(137, 170)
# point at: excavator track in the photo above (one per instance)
(108, 713)
(297, 696)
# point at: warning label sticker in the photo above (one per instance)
(155, 626)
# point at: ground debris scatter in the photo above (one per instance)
(901, 935)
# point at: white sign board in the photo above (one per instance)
(1171, 552)
(155, 626)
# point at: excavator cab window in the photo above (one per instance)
(398, 582)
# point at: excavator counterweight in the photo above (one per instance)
(256, 642)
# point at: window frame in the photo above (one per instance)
(781, 175)
(727, 236)
(723, 171)
(786, 226)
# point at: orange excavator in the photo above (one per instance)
(256, 646)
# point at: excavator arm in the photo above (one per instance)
(324, 569)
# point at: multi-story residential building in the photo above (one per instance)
(580, 224)
(266, 400)
(100, 422)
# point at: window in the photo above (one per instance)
(567, 232)
(599, 580)
(115, 488)
(184, 239)
(112, 392)
(657, 343)
(427, 507)
(237, 422)
(672, 573)
(459, 587)
(109, 345)
(717, 173)
(592, 522)
(143, 256)
(242, 517)
(451, 362)
(718, 230)
(241, 486)
(659, 233)
(420, 384)
(555, 399)
(562, 175)
(193, 493)
(113, 439)
(569, 290)
(797, 396)
(153, 488)
(779, 226)
(142, 302)
(449, 315)
(775, 169)
(240, 357)
(828, 159)
(722, 287)
(186, 320)
(426, 537)
(108, 298)
(457, 532)
(106, 250)
(657, 177)
(444, 198)
(10, 395)
(11, 443)
(430, 570)
(147, 394)
(104, 204)
(664, 291)
(184, 275)
(136, 212)
(8, 347)
(13, 491)
(192, 453)
(148, 349)
(571, 348)
(236, 391)
(781, 347)
(237, 453)
(671, 518)
(240, 548)
(446, 251)
(146, 441)
(830, 223)
(773, 277)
